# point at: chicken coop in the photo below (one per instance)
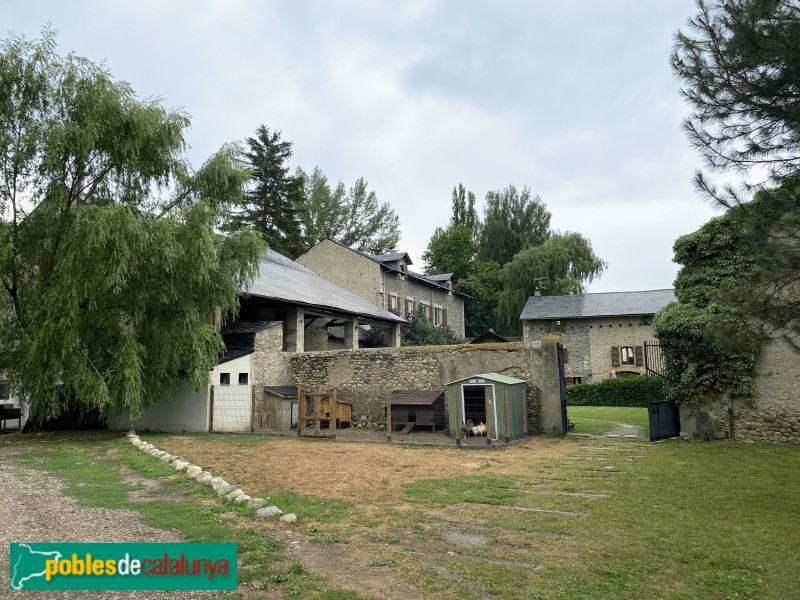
(417, 409)
(496, 401)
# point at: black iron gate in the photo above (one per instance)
(563, 379)
(665, 421)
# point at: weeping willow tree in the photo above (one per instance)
(111, 271)
(567, 263)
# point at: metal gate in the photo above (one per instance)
(664, 417)
(562, 377)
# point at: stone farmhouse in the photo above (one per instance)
(602, 333)
(386, 281)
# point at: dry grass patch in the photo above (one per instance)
(363, 473)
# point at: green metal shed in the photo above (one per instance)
(492, 399)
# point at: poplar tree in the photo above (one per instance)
(110, 268)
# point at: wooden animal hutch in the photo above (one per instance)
(321, 413)
(417, 409)
(280, 408)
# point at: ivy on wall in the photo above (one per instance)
(710, 343)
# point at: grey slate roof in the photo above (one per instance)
(607, 304)
(439, 277)
(284, 280)
(394, 257)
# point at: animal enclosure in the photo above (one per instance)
(490, 404)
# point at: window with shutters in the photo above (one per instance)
(626, 355)
(393, 306)
(555, 325)
(409, 308)
(425, 310)
(438, 316)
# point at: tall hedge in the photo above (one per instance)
(623, 391)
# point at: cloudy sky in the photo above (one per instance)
(574, 99)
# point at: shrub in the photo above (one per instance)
(623, 391)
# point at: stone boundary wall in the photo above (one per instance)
(365, 376)
(775, 413)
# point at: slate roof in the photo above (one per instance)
(607, 304)
(495, 377)
(282, 390)
(286, 281)
(439, 277)
(416, 397)
(394, 257)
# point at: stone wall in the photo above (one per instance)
(773, 416)
(270, 365)
(364, 377)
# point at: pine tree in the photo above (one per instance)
(275, 200)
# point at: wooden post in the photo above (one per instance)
(334, 414)
(389, 416)
(317, 411)
(211, 408)
(252, 408)
(505, 412)
(487, 407)
(301, 409)
(457, 402)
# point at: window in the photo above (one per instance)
(409, 308)
(555, 325)
(392, 302)
(224, 378)
(438, 315)
(5, 389)
(243, 378)
(573, 380)
(425, 310)
(626, 356)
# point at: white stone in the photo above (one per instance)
(167, 457)
(206, 479)
(242, 499)
(290, 518)
(257, 503)
(193, 471)
(235, 494)
(179, 465)
(269, 511)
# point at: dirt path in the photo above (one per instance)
(35, 509)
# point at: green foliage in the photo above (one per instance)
(482, 285)
(464, 212)
(274, 201)
(710, 343)
(110, 266)
(421, 332)
(512, 221)
(622, 391)
(565, 260)
(354, 217)
(739, 61)
(451, 250)
(515, 235)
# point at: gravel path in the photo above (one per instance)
(33, 508)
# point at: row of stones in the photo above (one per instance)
(218, 484)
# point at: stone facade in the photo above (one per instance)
(772, 416)
(269, 364)
(389, 287)
(589, 343)
(365, 377)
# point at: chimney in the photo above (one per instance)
(537, 292)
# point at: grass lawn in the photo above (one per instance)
(549, 518)
(601, 419)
